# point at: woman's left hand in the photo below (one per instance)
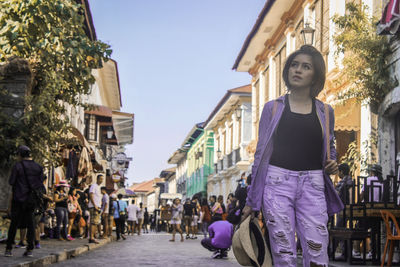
(331, 167)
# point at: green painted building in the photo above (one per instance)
(200, 160)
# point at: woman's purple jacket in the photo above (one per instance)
(264, 151)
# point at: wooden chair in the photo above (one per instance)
(390, 238)
(351, 234)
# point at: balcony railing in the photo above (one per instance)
(237, 155)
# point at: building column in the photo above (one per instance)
(253, 112)
(272, 77)
(261, 90)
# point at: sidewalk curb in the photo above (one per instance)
(64, 255)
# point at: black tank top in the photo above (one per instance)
(298, 140)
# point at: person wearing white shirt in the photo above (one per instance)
(95, 197)
(105, 202)
(132, 217)
(140, 217)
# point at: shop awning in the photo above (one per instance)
(390, 21)
(348, 116)
(123, 127)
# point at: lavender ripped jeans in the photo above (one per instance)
(294, 201)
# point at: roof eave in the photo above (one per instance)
(253, 32)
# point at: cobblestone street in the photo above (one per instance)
(150, 250)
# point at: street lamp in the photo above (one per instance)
(109, 133)
(238, 112)
(308, 34)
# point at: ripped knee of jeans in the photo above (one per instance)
(314, 248)
(322, 229)
(270, 218)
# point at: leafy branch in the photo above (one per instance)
(365, 53)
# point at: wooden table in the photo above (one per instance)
(371, 212)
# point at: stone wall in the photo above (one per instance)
(16, 79)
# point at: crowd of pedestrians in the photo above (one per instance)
(64, 213)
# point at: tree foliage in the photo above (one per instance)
(365, 54)
(50, 34)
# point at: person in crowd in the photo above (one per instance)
(132, 217)
(243, 180)
(74, 209)
(343, 188)
(221, 202)
(152, 223)
(374, 183)
(212, 200)
(105, 202)
(140, 217)
(61, 200)
(220, 236)
(188, 217)
(120, 208)
(22, 234)
(286, 164)
(26, 175)
(196, 215)
(231, 202)
(216, 210)
(83, 202)
(111, 211)
(95, 197)
(176, 218)
(145, 221)
(205, 216)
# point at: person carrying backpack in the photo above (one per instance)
(26, 180)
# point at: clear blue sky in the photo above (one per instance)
(174, 60)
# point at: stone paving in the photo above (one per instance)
(151, 250)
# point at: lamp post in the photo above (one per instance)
(109, 133)
(308, 34)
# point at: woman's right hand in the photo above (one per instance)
(247, 210)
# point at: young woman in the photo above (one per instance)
(61, 198)
(291, 171)
(205, 216)
(231, 202)
(176, 219)
(216, 210)
(72, 201)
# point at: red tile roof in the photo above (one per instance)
(143, 187)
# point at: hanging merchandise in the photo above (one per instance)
(390, 21)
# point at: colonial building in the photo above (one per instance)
(179, 158)
(194, 161)
(389, 110)
(277, 33)
(231, 123)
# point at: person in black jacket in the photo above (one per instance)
(26, 175)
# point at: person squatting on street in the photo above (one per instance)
(176, 218)
(26, 175)
(291, 171)
(221, 233)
